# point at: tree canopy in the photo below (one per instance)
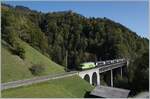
(85, 39)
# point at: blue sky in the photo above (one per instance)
(133, 15)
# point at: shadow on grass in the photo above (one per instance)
(87, 95)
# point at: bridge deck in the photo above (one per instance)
(107, 67)
(110, 92)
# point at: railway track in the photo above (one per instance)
(34, 80)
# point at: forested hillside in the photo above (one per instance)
(68, 35)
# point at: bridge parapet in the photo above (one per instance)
(111, 66)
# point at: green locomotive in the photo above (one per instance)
(86, 65)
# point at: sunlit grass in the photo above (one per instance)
(72, 86)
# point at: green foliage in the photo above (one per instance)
(140, 81)
(20, 51)
(37, 69)
(121, 82)
(12, 38)
(137, 79)
(85, 39)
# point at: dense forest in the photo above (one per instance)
(69, 39)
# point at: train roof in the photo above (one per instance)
(87, 63)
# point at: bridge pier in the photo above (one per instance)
(111, 77)
(98, 79)
(121, 71)
(90, 79)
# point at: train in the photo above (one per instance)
(86, 65)
(89, 65)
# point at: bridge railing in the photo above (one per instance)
(102, 63)
(111, 66)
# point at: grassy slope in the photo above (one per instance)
(34, 57)
(72, 86)
(14, 68)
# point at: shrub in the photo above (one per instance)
(121, 82)
(37, 69)
(20, 52)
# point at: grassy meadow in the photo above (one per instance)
(73, 87)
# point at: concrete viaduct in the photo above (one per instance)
(93, 75)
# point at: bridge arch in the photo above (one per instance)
(87, 78)
(94, 78)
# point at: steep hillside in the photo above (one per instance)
(12, 67)
(59, 34)
(71, 87)
(15, 68)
